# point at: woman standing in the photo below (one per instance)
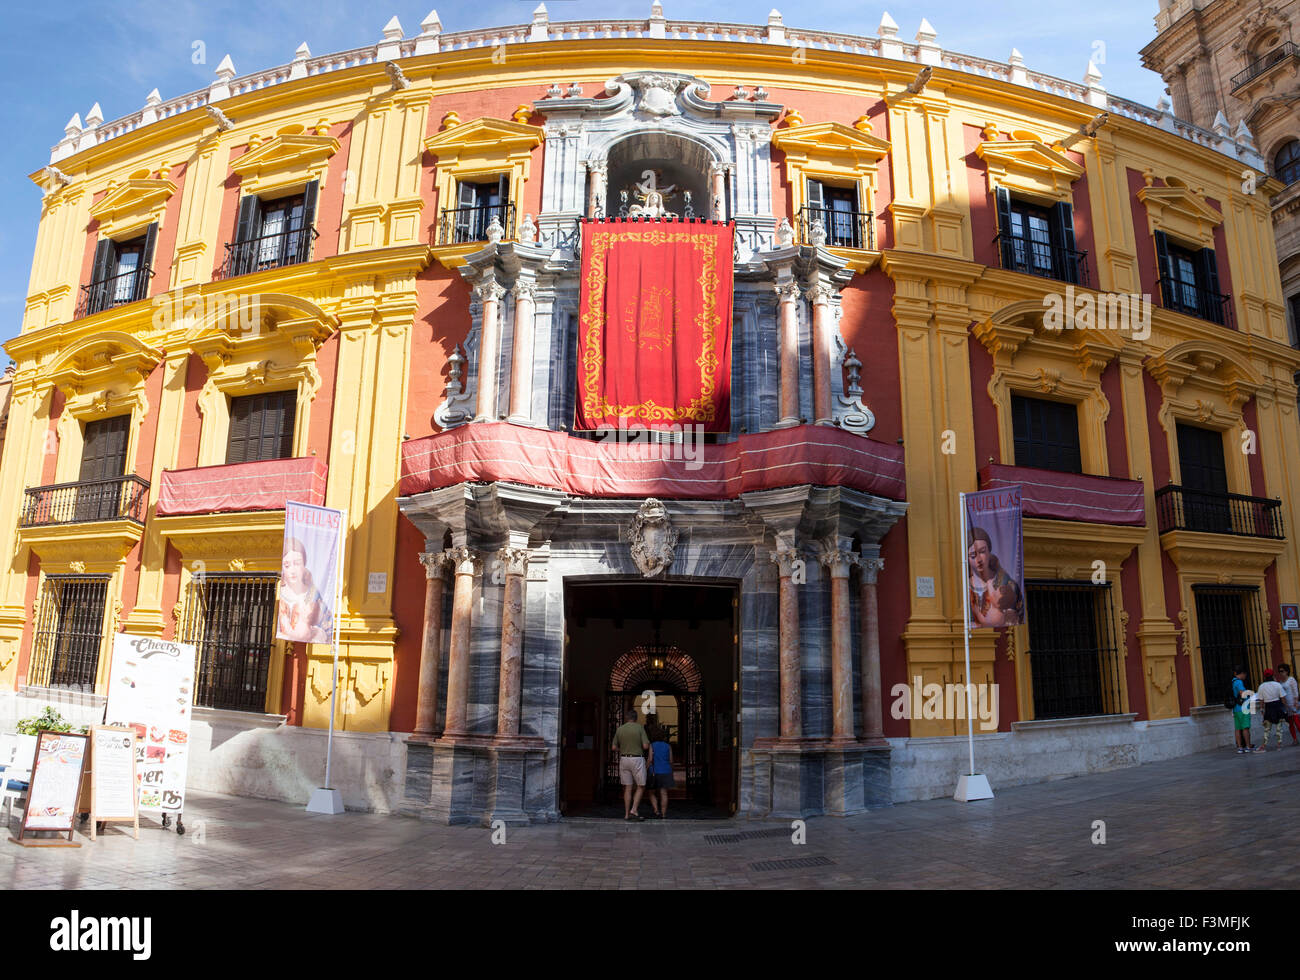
(661, 770)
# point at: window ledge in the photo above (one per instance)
(240, 719)
(1085, 721)
(60, 695)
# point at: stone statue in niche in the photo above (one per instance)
(654, 539)
(652, 197)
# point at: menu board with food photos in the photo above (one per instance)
(151, 691)
(55, 783)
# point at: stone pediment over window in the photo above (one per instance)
(1178, 210)
(483, 137)
(98, 364)
(133, 204)
(292, 158)
(1027, 165)
(830, 141)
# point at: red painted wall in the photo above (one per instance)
(443, 323)
(1131, 591)
(1116, 445)
(1255, 460)
(1221, 260)
(408, 612)
(229, 220)
(29, 604)
(984, 412)
(1084, 240)
(1148, 274)
(164, 251)
(329, 202)
(867, 325)
(1159, 475)
(983, 211)
(196, 376)
(322, 410)
(1273, 611)
(50, 459)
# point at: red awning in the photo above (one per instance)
(264, 485)
(499, 451)
(1071, 496)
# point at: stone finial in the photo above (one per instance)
(573, 91)
(73, 127)
(1096, 91)
(775, 27)
(1164, 105)
(390, 47)
(450, 119)
(888, 26)
(302, 52)
(430, 28)
(793, 118)
(658, 23)
(322, 126)
(863, 124)
(1093, 75)
(784, 234)
(523, 112)
(539, 31)
(95, 117)
(990, 132)
(1016, 58)
(220, 87)
(1221, 126)
(1244, 135)
(495, 231)
(393, 29)
(226, 70)
(817, 234)
(1148, 177)
(554, 92)
(298, 67)
(528, 229)
(928, 51)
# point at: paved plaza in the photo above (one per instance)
(1166, 826)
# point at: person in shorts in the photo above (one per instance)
(1272, 701)
(1241, 718)
(631, 744)
(661, 770)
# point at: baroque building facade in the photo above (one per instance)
(357, 280)
(1231, 64)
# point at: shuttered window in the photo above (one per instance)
(261, 427)
(103, 455)
(1189, 281)
(1046, 434)
(120, 272)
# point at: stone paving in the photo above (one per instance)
(1167, 825)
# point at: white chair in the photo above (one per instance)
(17, 775)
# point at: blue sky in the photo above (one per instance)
(64, 57)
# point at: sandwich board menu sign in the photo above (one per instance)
(52, 792)
(150, 692)
(112, 777)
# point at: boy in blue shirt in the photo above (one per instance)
(1241, 718)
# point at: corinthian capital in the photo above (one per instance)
(466, 562)
(838, 560)
(788, 562)
(515, 560)
(787, 292)
(489, 291)
(870, 569)
(524, 290)
(434, 562)
(819, 294)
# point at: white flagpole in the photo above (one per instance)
(971, 786)
(327, 799)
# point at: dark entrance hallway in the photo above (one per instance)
(667, 650)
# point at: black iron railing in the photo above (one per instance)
(69, 632)
(231, 620)
(125, 287)
(288, 247)
(1263, 63)
(456, 226)
(1073, 651)
(88, 500)
(1020, 254)
(1230, 633)
(1183, 297)
(842, 229)
(1181, 509)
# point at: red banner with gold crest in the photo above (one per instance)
(654, 330)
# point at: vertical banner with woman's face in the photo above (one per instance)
(995, 565)
(308, 573)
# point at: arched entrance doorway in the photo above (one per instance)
(672, 644)
(663, 683)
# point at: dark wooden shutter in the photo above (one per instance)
(103, 456)
(240, 416)
(142, 277)
(261, 427)
(1003, 198)
(105, 260)
(1046, 434)
(1207, 274)
(1165, 269)
(247, 229)
(1200, 457)
(1065, 261)
(309, 202)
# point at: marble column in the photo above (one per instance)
(822, 326)
(597, 178)
(838, 561)
(788, 322)
(869, 567)
(489, 347)
(466, 564)
(426, 705)
(521, 361)
(718, 191)
(790, 567)
(515, 561)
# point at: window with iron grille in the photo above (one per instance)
(1230, 632)
(1073, 652)
(1046, 434)
(261, 427)
(119, 273)
(69, 632)
(231, 620)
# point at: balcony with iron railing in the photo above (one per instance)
(119, 498)
(1182, 509)
(281, 248)
(1043, 259)
(1183, 297)
(837, 228)
(461, 226)
(1265, 62)
(118, 290)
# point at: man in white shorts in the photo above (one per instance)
(631, 744)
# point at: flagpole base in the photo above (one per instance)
(973, 787)
(326, 800)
